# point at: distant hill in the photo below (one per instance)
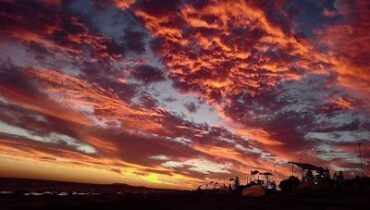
(35, 185)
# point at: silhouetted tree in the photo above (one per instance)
(309, 176)
(290, 184)
(326, 175)
(340, 176)
(335, 176)
(237, 183)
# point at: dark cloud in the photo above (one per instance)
(158, 7)
(148, 101)
(170, 99)
(133, 41)
(148, 74)
(137, 147)
(13, 78)
(22, 13)
(191, 107)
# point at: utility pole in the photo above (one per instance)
(274, 172)
(359, 151)
(302, 177)
(292, 169)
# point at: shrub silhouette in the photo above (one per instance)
(290, 184)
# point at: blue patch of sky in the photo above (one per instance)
(162, 91)
(310, 15)
(113, 23)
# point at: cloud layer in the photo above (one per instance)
(177, 93)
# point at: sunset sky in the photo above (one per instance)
(175, 93)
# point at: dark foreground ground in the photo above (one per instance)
(27, 194)
(188, 201)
